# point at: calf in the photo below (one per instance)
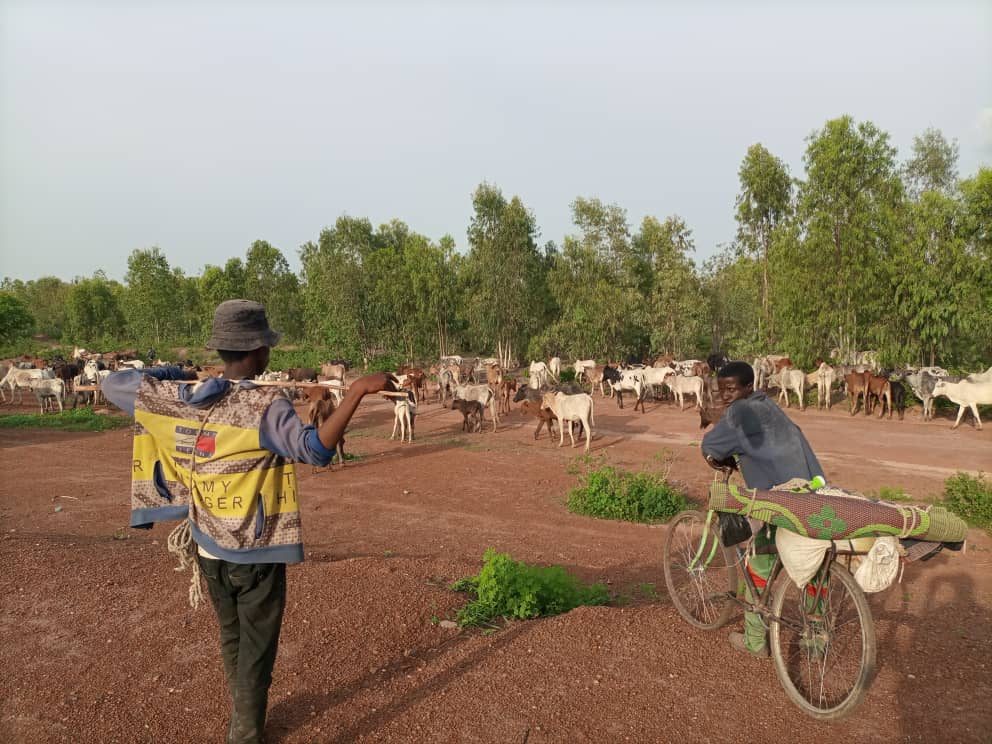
(481, 393)
(319, 411)
(966, 395)
(405, 412)
(507, 389)
(471, 411)
(857, 386)
(878, 388)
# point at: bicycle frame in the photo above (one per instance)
(737, 557)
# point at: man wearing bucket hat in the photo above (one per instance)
(218, 455)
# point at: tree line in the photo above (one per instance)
(860, 251)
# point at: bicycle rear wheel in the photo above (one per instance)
(823, 648)
(699, 579)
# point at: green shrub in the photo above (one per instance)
(81, 419)
(512, 589)
(385, 363)
(970, 498)
(632, 497)
(567, 375)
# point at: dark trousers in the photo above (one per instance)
(249, 600)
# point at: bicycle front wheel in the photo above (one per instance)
(699, 579)
(823, 647)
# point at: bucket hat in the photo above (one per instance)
(241, 325)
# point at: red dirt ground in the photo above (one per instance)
(99, 645)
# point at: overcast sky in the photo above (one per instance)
(200, 127)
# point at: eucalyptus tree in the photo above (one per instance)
(848, 214)
(502, 274)
(269, 280)
(93, 310)
(933, 166)
(764, 202)
(150, 306)
(675, 314)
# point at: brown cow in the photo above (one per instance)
(880, 389)
(301, 374)
(415, 381)
(857, 386)
(507, 388)
(544, 417)
(319, 411)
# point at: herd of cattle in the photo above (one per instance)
(471, 386)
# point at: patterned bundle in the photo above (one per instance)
(837, 514)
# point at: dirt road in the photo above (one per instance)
(98, 644)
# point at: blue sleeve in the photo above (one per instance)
(282, 432)
(722, 441)
(121, 388)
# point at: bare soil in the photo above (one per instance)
(97, 643)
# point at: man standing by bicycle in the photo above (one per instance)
(770, 450)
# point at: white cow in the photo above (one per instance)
(680, 385)
(482, 393)
(966, 395)
(790, 380)
(554, 367)
(405, 415)
(571, 408)
(48, 392)
(985, 376)
(539, 375)
(581, 365)
(18, 379)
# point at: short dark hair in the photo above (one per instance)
(740, 371)
(232, 357)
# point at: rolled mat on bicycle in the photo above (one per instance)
(832, 513)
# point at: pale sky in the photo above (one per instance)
(200, 127)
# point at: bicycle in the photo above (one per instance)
(822, 636)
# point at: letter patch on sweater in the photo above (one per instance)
(188, 439)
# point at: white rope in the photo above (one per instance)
(182, 546)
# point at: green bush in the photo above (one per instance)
(512, 589)
(81, 419)
(970, 498)
(632, 497)
(567, 374)
(385, 363)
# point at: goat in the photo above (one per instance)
(471, 410)
(405, 413)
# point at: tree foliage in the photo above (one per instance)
(861, 250)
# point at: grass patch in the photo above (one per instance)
(892, 493)
(612, 493)
(970, 498)
(513, 589)
(81, 419)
